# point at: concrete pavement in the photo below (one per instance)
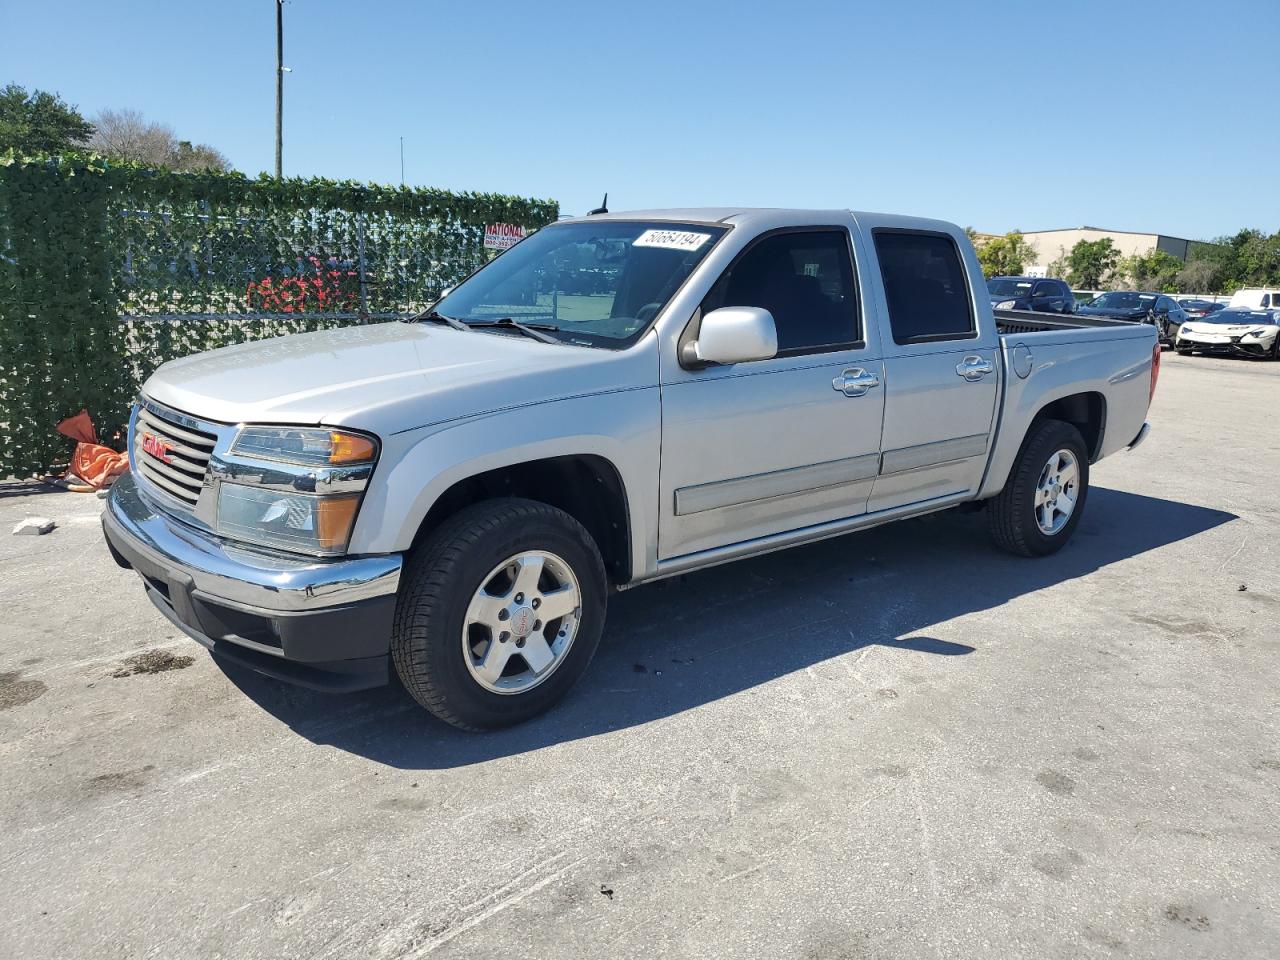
(898, 744)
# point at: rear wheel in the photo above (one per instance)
(1040, 506)
(500, 612)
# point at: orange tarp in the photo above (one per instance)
(91, 462)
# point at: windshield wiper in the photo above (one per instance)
(534, 330)
(437, 315)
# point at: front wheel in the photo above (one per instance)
(1040, 506)
(500, 611)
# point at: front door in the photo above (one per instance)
(941, 373)
(754, 449)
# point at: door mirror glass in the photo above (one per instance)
(736, 335)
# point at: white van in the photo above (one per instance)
(1255, 299)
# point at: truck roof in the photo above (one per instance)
(762, 216)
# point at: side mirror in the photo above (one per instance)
(733, 335)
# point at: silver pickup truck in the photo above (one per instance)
(616, 399)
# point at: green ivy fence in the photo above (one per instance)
(108, 270)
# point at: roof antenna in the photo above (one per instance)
(603, 208)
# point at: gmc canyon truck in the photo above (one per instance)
(616, 399)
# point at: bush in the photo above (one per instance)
(108, 269)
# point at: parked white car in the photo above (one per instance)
(616, 399)
(1235, 330)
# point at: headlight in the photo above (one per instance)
(1005, 305)
(1256, 333)
(300, 523)
(308, 446)
(293, 488)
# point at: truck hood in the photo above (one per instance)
(385, 377)
(1116, 313)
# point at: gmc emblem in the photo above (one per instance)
(156, 447)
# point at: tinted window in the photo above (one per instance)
(924, 282)
(1006, 287)
(804, 279)
(1047, 290)
(1123, 300)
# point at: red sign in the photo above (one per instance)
(156, 447)
(502, 236)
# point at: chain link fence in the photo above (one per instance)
(107, 271)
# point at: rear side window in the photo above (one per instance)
(805, 280)
(924, 283)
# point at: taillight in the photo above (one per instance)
(1155, 371)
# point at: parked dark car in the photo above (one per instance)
(1031, 293)
(1196, 308)
(1140, 306)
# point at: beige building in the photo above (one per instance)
(1051, 245)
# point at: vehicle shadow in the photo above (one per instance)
(675, 645)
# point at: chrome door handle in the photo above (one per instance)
(855, 382)
(973, 367)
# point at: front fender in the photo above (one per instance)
(418, 466)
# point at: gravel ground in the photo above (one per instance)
(896, 744)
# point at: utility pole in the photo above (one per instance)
(402, 161)
(279, 86)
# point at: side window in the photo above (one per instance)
(1046, 290)
(1164, 304)
(805, 279)
(924, 283)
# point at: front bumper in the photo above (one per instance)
(324, 624)
(1236, 346)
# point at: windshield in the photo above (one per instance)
(1123, 300)
(1241, 316)
(1003, 287)
(597, 284)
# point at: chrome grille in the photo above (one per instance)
(187, 449)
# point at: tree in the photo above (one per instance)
(1197, 276)
(39, 122)
(1005, 256)
(1089, 261)
(1154, 270)
(127, 135)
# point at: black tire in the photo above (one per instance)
(437, 586)
(1183, 353)
(1011, 514)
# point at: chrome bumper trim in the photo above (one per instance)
(1142, 435)
(247, 578)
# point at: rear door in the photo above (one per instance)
(941, 371)
(753, 449)
(1048, 296)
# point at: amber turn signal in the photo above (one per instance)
(350, 448)
(334, 519)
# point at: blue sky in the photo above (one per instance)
(1132, 115)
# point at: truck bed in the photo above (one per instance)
(1026, 321)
